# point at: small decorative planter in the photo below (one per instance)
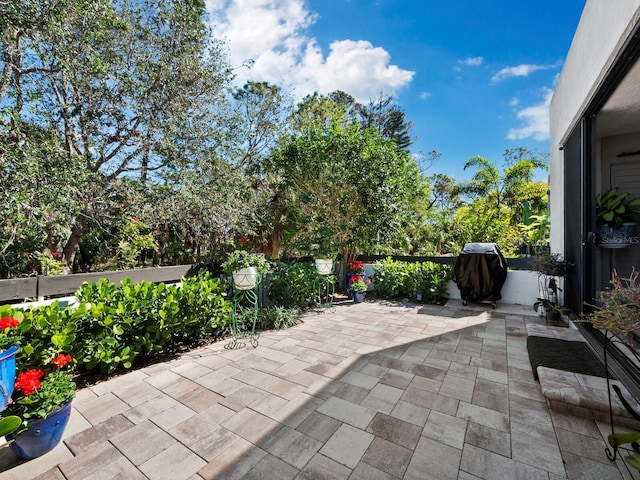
(245, 278)
(620, 237)
(7, 374)
(324, 266)
(358, 297)
(43, 435)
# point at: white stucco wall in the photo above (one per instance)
(602, 31)
(520, 288)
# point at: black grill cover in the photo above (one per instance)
(480, 272)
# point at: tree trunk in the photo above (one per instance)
(71, 247)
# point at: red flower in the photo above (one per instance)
(355, 278)
(244, 241)
(367, 281)
(8, 322)
(136, 219)
(26, 254)
(61, 360)
(28, 382)
(54, 254)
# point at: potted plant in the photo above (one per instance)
(42, 397)
(358, 287)
(619, 307)
(245, 268)
(549, 266)
(324, 266)
(616, 219)
(353, 269)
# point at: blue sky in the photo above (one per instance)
(475, 77)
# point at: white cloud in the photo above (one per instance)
(424, 95)
(472, 61)
(523, 70)
(535, 119)
(271, 33)
(514, 102)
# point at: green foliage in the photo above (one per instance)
(49, 265)
(409, 279)
(293, 285)
(56, 388)
(133, 243)
(242, 259)
(204, 306)
(277, 318)
(614, 209)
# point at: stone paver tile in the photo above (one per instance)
(490, 439)
(491, 395)
(233, 461)
(319, 426)
(359, 379)
(137, 451)
(12, 468)
(484, 416)
(530, 412)
(397, 378)
(221, 385)
(191, 370)
(457, 387)
(463, 370)
(250, 425)
(373, 369)
(270, 466)
(199, 399)
(433, 461)
(572, 423)
(347, 445)
(150, 408)
(326, 370)
(427, 371)
(292, 446)
(431, 400)
(445, 429)
(102, 408)
(119, 381)
(136, 393)
(347, 412)
(269, 405)
(493, 375)
(53, 474)
(382, 398)
(90, 462)
(164, 379)
(487, 465)
(175, 463)
(323, 468)
(285, 389)
(291, 368)
(102, 432)
(583, 445)
(536, 447)
(426, 384)
(364, 471)
(172, 416)
(388, 457)
(580, 467)
(395, 430)
(242, 397)
(411, 413)
(348, 392)
(216, 440)
(256, 378)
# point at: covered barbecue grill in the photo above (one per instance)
(480, 273)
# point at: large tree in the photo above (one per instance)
(128, 89)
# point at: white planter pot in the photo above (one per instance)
(324, 267)
(245, 278)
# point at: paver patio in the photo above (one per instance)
(367, 391)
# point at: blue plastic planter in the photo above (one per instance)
(43, 435)
(7, 374)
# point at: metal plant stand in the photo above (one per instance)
(243, 318)
(325, 289)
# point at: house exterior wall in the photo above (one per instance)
(604, 26)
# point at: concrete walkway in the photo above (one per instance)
(367, 391)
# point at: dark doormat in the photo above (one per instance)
(576, 357)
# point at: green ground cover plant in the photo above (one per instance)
(423, 281)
